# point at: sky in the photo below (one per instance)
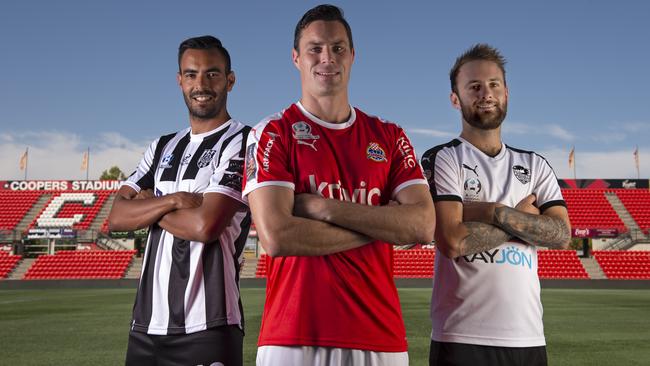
(101, 75)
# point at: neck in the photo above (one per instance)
(488, 141)
(332, 109)
(204, 125)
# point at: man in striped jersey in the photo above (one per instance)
(187, 309)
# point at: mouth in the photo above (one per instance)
(486, 107)
(326, 73)
(202, 98)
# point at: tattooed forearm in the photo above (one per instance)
(540, 230)
(482, 237)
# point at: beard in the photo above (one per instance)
(203, 111)
(483, 120)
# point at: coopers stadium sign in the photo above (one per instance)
(60, 185)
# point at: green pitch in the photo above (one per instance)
(89, 327)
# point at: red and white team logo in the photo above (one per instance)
(374, 152)
(302, 134)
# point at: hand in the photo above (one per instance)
(144, 194)
(309, 206)
(183, 200)
(527, 205)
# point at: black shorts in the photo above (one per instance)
(221, 344)
(460, 354)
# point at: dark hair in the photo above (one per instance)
(324, 12)
(478, 52)
(203, 43)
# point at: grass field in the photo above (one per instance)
(90, 326)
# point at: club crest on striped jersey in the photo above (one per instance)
(206, 158)
(186, 159)
(523, 174)
(166, 161)
(374, 152)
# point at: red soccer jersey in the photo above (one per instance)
(347, 299)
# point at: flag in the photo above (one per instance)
(636, 158)
(23, 161)
(572, 157)
(84, 161)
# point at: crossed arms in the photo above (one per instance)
(310, 225)
(190, 216)
(476, 227)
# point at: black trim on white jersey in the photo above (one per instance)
(179, 275)
(550, 204)
(428, 163)
(447, 197)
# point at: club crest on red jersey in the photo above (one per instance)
(374, 152)
(302, 133)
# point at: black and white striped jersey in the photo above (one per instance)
(189, 286)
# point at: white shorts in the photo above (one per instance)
(327, 356)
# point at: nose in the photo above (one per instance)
(326, 55)
(203, 81)
(485, 92)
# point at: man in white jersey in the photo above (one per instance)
(319, 177)
(187, 309)
(494, 205)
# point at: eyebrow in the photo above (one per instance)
(478, 81)
(320, 43)
(212, 69)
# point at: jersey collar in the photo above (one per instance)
(499, 156)
(333, 126)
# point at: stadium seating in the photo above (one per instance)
(7, 263)
(413, 263)
(260, 272)
(81, 264)
(589, 208)
(15, 205)
(637, 202)
(624, 265)
(77, 215)
(560, 264)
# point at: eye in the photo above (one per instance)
(475, 87)
(213, 74)
(316, 49)
(494, 84)
(190, 75)
(338, 49)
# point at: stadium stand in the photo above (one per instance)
(15, 205)
(78, 264)
(413, 263)
(560, 264)
(637, 203)
(624, 265)
(589, 208)
(71, 209)
(7, 263)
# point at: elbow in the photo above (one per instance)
(272, 246)
(448, 247)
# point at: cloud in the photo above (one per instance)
(431, 132)
(599, 164)
(58, 155)
(553, 130)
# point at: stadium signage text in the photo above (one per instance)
(60, 185)
(594, 233)
(58, 233)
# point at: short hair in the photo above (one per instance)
(324, 12)
(203, 43)
(478, 52)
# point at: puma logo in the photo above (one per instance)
(302, 142)
(469, 168)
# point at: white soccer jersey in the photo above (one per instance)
(490, 298)
(189, 286)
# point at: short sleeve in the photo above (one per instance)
(143, 176)
(228, 174)
(405, 169)
(547, 190)
(267, 158)
(445, 179)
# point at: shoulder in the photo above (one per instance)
(431, 154)
(535, 157)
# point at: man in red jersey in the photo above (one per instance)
(319, 178)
